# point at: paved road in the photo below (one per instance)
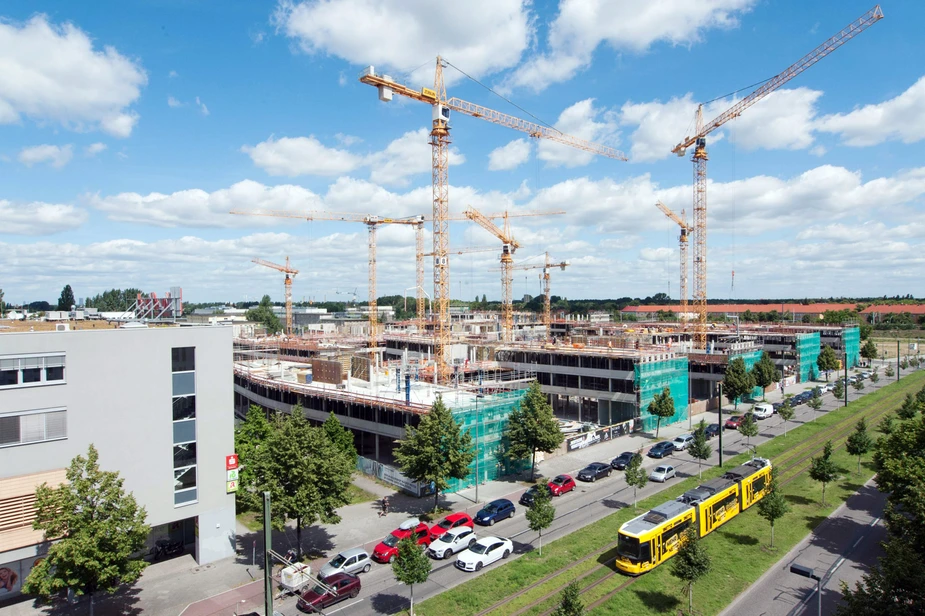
(841, 548)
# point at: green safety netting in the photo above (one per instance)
(651, 378)
(852, 339)
(808, 348)
(751, 358)
(490, 418)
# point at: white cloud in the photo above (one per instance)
(482, 37)
(342, 79)
(347, 140)
(53, 74)
(658, 255)
(173, 102)
(39, 218)
(582, 25)
(292, 156)
(579, 120)
(819, 150)
(56, 156)
(173, 74)
(899, 119)
(408, 155)
(202, 107)
(94, 148)
(509, 156)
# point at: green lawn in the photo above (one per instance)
(739, 548)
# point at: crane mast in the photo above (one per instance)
(290, 274)
(682, 246)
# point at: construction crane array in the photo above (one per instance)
(440, 142)
(700, 157)
(547, 268)
(686, 229)
(290, 274)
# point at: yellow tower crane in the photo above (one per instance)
(686, 230)
(290, 274)
(699, 158)
(547, 268)
(372, 223)
(508, 247)
(440, 142)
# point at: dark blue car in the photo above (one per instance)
(495, 511)
(660, 450)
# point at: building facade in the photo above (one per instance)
(156, 403)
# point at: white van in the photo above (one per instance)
(762, 411)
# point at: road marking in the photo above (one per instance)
(345, 607)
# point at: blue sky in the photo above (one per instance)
(131, 129)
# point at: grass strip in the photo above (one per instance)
(725, 544)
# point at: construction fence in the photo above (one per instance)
(652, 377)
(808, 347)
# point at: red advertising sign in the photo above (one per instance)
(231, 462)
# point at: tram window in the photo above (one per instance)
(628, 546)
(759, 484)
(645, 552)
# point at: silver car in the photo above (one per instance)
(662, 473)
(354, 561)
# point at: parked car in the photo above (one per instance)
(454, 520)
(660, 450)
(829, 386)
(662, 473)
(452, 541)
(527, 498)
(568, 427)
(495, 511)
(561, 484)
(711, 430)
(595, 471)
(355, 561)
(622, 461)
(682, 442)
(866, 374)
(319, 597)
(484, 552)
(762, 411)
(387, 549)
(734, 422)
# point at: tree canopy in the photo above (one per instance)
(748, 428)
(66, 300)
(114, 300)
(690, 563)
(738, 381)
(765, 371)
(411, 566)
(773, 506)
(570, 603)
(662, 407)
(785, 412)
(264, 315)
(541, 513)
(860, 441)
(823, 469)
(827, 360)
(100, 527)
(636, 476)
(700, 449)
(531, 427)
(340, 436)
(869, 350)
(436, 451)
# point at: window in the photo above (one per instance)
(184, 478)
(31, 370)
(184, 431)
(183, 359)
(184, 408)
(184, 455)
(9, 377)
(32, 427)
(54, 373)
(184, 383)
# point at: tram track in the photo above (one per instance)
(788, 467)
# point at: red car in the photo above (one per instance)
(387, 549)
(454, 520)
(318, 597)
(734, 422)
(561, 484)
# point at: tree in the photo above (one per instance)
(570, 602)
(903, 364)
(264, 314)
(887, 425)
(690, 564)
(888, 372)
(839, 391)
(1, 304)
(827, 360)
(748, 428)
(823, 469)
(541, 513)
(875, 378)
(411, 566)
(859, 442)
(909, 408)
(531, 427)
(249, 436)
(738, 381)
(436, 451)
(100, 527)
(765, 372)
(635, 474)
(662, 406)
(340, 436)
(66, 301)
(869, 350)
(306, 474)
(773, 506)
(700, 449)
(858, 386)
(786, 413)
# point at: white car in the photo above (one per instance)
(762, 411)
(484, 552)
(452, 541)
(683, 442)
(662, 473)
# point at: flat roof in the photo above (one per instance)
(655, 516)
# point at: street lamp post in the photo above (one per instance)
(478, 453)
(807, 572)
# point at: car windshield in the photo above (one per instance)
(318, 590)
(445, 538)
(628, 546)
(558, 480)
(479, 548)
(660, 469)
(489, 509)
(446, 523)
(338, 561)
(391, 540)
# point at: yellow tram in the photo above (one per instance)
(655, 536)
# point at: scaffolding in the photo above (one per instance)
(750, 358)
(808, 347)
(652, 377)
(851, 336)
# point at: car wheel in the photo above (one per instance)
(478, 566)
(391, 559)
(593, 478)
(608, 473)
(447, 554)
(355, 593)
(512, 514)
(491, 522)
(366, 568)
(506, 554)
